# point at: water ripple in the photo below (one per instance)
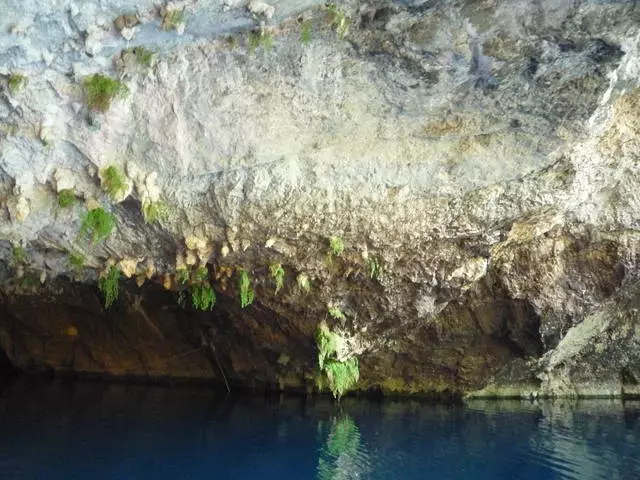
(119, 432)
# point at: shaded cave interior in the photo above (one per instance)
(61, 328)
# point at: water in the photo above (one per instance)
(92, 431)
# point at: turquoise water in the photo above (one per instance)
(58, 430)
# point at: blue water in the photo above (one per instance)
(92, 431)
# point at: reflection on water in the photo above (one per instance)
(94, 431)
(342, 456)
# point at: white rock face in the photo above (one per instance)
(462, 147)
(259, 8)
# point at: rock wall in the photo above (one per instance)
(478, 161)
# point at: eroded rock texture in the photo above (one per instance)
(478, 159)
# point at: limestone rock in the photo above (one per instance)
(482, 156)
(261, 9)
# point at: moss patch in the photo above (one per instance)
(16, 82)
(260, 39)
(114, 181)
(277, 273)
(19, 255)
(246, 292)
(305, 32)
(101, 90)
(108, 285)
(336, 246)
(338, 375)
(97, 224)
(66, 198)
(202, 296)
(154, 211)
(76, 261)
(172, 19)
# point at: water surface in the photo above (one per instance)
(58, 430)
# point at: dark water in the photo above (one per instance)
(94, 431)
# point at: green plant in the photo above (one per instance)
(16, 82)
(305, 32)
(246, 292)
(76, 261)
(277, 273)
(338, 20)
(172, 19)
(97, 224)
(101, 90)
(340, 375)
(375, 269)
(201, 274)
(182, 276)
(29, 280)
(202, 296)
(114, 181)
(303, 282)
(262, 38)
(336, 245)
(154, 211)
(336, 313)
(66, 198)
(108, 285)
(19, 254)
(143, 56)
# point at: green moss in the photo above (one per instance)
(19, 255)
(114, 181)
(202, 296)
(336, 313)
(97, 224)
(327, 343)
(246, 292)
(154, 211)
(76, 261)
(143, 56)
(16, 82)
(201, 274)
(338, 20)
(262, 38)
(66, 198)
(305, 32)
(277, 273)
(108, 285)
(182, 276)
(342, 376)
(374, 267)
(339, 375)
(172, 19)
(336, 245)
(101, 90)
